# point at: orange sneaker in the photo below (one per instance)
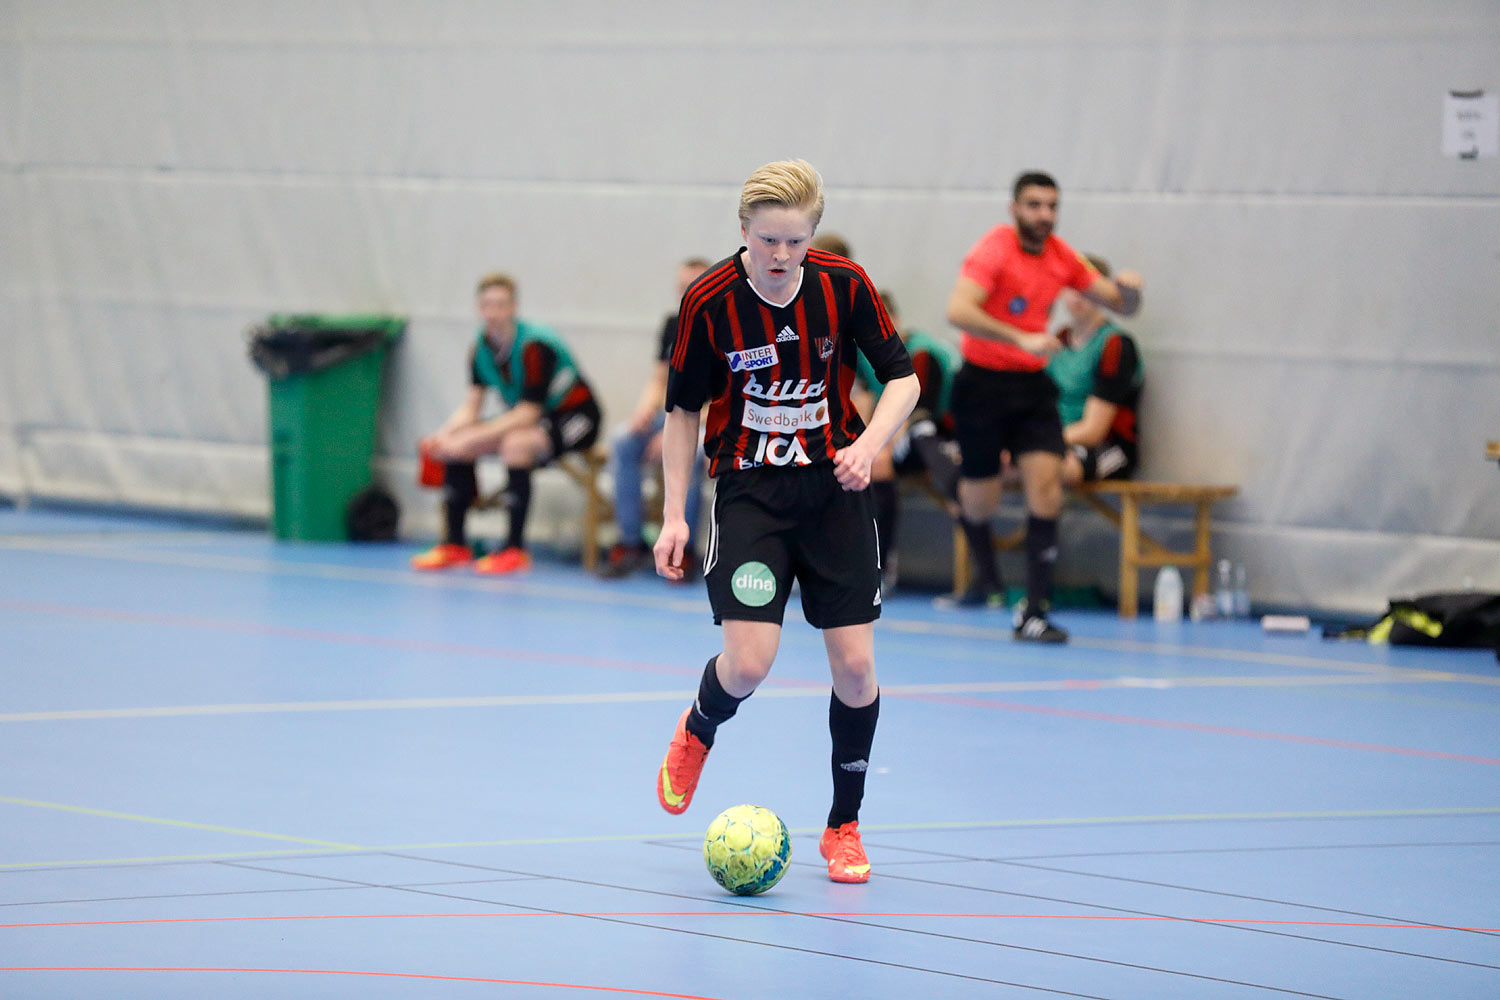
(442, 557)
(680, 769)
(512, 560)
(845, 853)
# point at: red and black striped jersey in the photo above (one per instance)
(776, 378)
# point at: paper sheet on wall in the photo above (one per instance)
(1471, 124)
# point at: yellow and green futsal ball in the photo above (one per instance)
(747, 849)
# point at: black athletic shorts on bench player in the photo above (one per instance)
(572, 430)
(998, 411)
(773, 525)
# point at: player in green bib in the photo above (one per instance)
(925, 444)
(550, 410)
(1099, 377)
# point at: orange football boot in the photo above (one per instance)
(442, 557)
(511, 560)
(845, 853)
(680, 769)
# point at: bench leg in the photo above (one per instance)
(1130, 551)
(590, 540)
(1203, 557)
(962, 569)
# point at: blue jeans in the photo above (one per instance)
(630, 448)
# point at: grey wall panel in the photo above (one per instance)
(1320, 323)
(1152, 97)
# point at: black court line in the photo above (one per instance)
(184, 862)
(1202, 922)
(1248, 850)
(1385, 918)
(244, 892)
(900, 930)
(643, 924)
(1279, 902)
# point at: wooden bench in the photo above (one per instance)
(583, 468)
(1138, 549)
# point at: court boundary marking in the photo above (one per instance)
(1006, 824)
(267, 565)
(356, 972)
(882, 914)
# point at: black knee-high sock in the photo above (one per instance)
(1041, 557)
(941, 470)
(887, 511)
(517, 504)
(459, 490)
(853, 732)
(713, 705)
(982, 552)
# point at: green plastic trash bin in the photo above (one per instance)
(325, 374)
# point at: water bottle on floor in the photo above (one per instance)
(1167, 596)
(1224, 589)
(1241, 592)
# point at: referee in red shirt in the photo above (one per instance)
(1003, 399)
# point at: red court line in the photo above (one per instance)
(378, 642)
(1197, 727)
(752, 913)
(348, 638)
(357, 972)
(612, 663)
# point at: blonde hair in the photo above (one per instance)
(497, 279)
(788, 183)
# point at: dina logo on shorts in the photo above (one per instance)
(753, 584)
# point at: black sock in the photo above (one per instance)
(1041, 557)
(886, 512)
(853, 732)
(459, 490)
(941, 470)
(982, 552)
(713, 706)
(517, 504)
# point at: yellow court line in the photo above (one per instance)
(183, 824)
(1002, 824)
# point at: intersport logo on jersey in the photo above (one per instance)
(756, 357)
(785, 419)
(785, 389)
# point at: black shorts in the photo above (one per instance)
(1111, 460)
(1003, 411)
(773, 525)
(572, 430)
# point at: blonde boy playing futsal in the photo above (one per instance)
(767, 338)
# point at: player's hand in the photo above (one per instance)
(1043, 345)
(1129, 279)
(851, 467)
(435, 445)
(669, 548)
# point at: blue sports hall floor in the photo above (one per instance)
(240, 768)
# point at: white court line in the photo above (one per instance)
(819, 691)
(402, 577)
(581, 595)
